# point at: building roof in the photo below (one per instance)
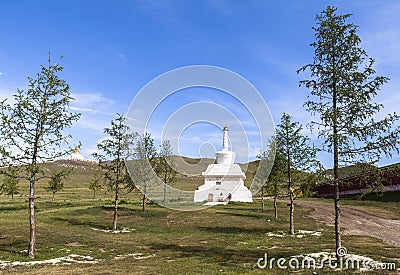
(223, 170)
(359, 180)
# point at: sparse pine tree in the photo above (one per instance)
(276, 180)
(10, 184)
(96, 183)
(165, 166)
(33, 130)
(144, 165)
(273, 185)
(56, 183)
(113, 152)
(342, 86)
(299, 156)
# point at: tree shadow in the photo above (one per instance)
(213, 254)
(247, 215)
(236, 230)
(76, 222)
(14, 247)
(227, 207)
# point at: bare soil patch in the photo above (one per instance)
(356, 222)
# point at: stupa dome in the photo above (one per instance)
(76, 155)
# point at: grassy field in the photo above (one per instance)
(219, 240)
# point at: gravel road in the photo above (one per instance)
(355, 222)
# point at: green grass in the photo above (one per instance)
(220, 240)
(384, 197)
(224, 239)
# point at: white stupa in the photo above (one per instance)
(224, 180)
(76, 155)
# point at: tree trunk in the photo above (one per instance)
(52, 198)
(262, 199)
(32, 221)
(291, 211)
(165, 193)
(115, 208)
(12, 196)
(337, 220)
(144, 199)
(291, 214)
(335, 173)
(94, 193)
(275, 208)
(144, 203)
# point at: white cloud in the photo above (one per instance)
(96, 110)
(164, 11)
(7, 94)
(92, 148)
(96, 113)
(225, 8)
(91, 123)
(92, 100)
(390, 99)
(121, 56)
(380, 34)
(84, 110)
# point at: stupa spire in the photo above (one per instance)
(225, 139)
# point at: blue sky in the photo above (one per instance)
(113, 48)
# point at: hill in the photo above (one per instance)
(83, 172)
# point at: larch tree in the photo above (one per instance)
(55, 183)
(113, 151)
(96, 183)
(299, 157)
(9, 184)
(33, 127)
(165, 166)
(342, 86)
(276, 180)
(273, 184)
(144, 165)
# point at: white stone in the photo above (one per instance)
(224, 180)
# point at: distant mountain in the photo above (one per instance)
(84, 171)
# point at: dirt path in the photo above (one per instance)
(355, 222)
